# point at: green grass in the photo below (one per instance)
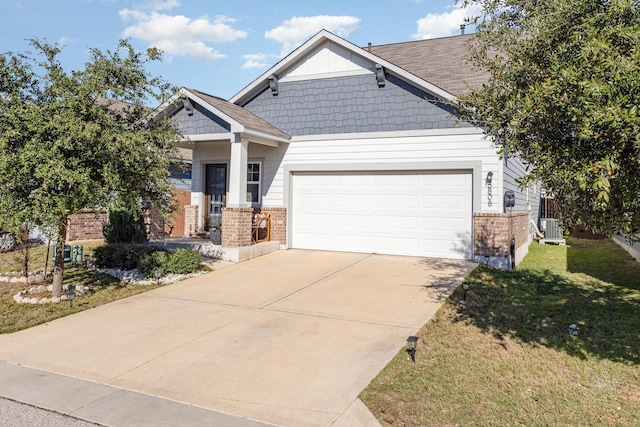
(505, 357)
(104, 289)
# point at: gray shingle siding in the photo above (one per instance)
(202, 121)
(349, 105)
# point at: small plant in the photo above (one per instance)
(123, 227)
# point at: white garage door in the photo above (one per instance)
(419, 214)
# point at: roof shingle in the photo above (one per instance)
(441, 62)
(239, 114)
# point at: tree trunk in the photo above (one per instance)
(58, 266)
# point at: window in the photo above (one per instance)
(253, 182)
(177, 172)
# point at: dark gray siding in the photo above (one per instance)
(202, 121)
(349, 105)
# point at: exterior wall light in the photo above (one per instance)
(412, 343)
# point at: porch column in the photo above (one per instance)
(238, 174)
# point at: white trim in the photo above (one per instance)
(208, 137)
(392, 134)
(347, 73)
(259, 182)
(322, 37)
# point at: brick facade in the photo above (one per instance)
(493, 231)
(278, 224)
(190, 220)
(236, 226)
(86, 225)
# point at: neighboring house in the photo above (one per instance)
(354, 149)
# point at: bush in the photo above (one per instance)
(120, 255)
(147, 259)
(123, 227)
(149, 263)
(183, 261)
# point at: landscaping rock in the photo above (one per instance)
(50, 288)
(33, 300)
(33, 290)
(13, 279)
(55, 300)
(17, 298)
(43, 301)
(42, 289)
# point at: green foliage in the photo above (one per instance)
(152, 262)
(121, 255)
(181, 261)
(123, 227)
(563, 95)
(147, 259)
(80, 139)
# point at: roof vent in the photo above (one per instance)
(380, 75)
(462, 27)
(273, 84)
(369, 47)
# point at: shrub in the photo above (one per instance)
(120, 255)
(149, 263)
(123, 227)
(183, 261)
(147, 259)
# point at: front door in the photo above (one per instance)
(216, 190)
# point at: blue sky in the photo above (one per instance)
(215, 46)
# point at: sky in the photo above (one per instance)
(219, 47)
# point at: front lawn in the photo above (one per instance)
(505, 356)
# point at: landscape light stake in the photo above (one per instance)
(71, 293)
(465, 286)
(412, 342)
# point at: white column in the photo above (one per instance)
(238, 174)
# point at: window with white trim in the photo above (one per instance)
(253, 182)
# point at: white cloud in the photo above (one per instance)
(295, 31)
(444, 24)
(256, 60)
(177, 34)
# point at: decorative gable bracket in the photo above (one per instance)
(380, 78)
(273, 84)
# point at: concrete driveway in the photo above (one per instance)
(290, 338)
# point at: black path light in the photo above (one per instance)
(465, 286)
(412, 342)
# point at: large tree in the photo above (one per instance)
(564, 96)
(76, 140)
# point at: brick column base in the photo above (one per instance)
(492, 236)
(236, 227)
(190, 220)
(278, 224)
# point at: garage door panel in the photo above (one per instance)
(362, 201)
(419, 214)
(356, 220)
(395, 200)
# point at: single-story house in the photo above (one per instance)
(355, 149)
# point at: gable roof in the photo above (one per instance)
(439, 61)
(239, 114)
(240, 120)
(322, 37)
